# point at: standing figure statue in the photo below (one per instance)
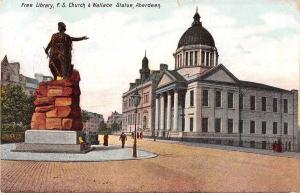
(60, 53)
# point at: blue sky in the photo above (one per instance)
(253, 37)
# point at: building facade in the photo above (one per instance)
(145, 86)
(10, 75)
(115, 117)
(93, 123)
(202, 99)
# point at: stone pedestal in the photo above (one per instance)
(52, 142)
(57, 105)
(56, 123)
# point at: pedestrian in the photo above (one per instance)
(141, 135)
(290, 145)
(138, 135)
(123, 138)
(132, 135)
(279, 146)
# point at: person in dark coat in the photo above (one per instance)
(138, 135)
(123, 138)
(141, 135)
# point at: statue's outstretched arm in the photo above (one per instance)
(79, 39)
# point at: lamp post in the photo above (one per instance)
(136, 99)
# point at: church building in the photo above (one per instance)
(201, 100)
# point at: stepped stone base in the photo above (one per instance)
(51, 141)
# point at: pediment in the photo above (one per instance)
(165, 79)
(220, 74)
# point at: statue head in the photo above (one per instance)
(61, 27)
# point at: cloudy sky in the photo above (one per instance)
(258, 40)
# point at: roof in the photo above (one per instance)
(176, 75)
(196, 34)
(259, 85)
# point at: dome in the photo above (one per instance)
(196, 34)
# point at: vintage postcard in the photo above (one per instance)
(149, 96)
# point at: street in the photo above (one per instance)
(178, 168)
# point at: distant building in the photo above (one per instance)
(42, 78)
(115, 117)
(92, 125)
(10, 75)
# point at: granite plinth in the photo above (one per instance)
(51, 148)
(52, 141)
(52, 136)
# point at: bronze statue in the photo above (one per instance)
(60, 53)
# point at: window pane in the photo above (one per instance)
(274, 127)
(205, 98)
(204, 124)
(230, 125)
(191, 124)
(218, 99)
(274, 104)
(263, 127)
(252, 102)
(252, 126)
(217, 125)
(285, 128)
(285, 105)
(263, 103)
(191, 98)
(196, 58)
(230, 100)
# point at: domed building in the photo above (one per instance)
(201, 100)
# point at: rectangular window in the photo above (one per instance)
(218, 125)
(191, 58)
(252, 102)
(205, 98)
(196, 58)
(218, 99)
(274, 127)
(274, 104)
(285, 105)
(230, 100)
(186, 58)
(263, 127)
(241, 101)
(285, 128)
(252, 126)
(204, 125)
(263, 103)
(230, 125)
(191, 124)
(240, 126)
(192, 98)
(202, 58)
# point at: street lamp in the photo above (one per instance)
(136, 100)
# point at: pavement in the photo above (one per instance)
(234, 148)
(177, 168)
(100, 153)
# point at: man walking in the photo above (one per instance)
(123, 138)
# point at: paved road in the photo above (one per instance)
(178, 168)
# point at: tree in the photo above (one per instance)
(115, 126)
(85, 116)
(16, 106)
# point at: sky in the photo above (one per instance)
(257, 40)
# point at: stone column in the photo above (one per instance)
(169, 112)
(175, 120)
(200, 57)
(215, 58)
(205, 59)
(156, 113)
(209, 59)
(162, 112)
